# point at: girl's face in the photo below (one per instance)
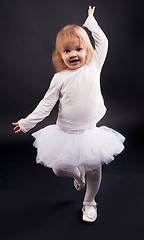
(73, 54)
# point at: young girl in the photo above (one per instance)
(75, 147)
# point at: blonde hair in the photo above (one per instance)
(70, 33)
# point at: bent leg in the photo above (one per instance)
(75, 173)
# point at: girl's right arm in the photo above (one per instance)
(41, 111)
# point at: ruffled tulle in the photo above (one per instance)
(65, 149)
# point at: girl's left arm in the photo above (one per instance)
(100, 39)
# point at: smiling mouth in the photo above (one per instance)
(74, 61)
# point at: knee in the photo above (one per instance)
(95, 173)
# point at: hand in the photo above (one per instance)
(17, 129)
(90, 12)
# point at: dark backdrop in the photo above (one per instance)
(28, 30)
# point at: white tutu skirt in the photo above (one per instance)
(65, 149)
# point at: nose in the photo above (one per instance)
(73, 54)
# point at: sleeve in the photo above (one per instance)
(43, 109)
(100, 39)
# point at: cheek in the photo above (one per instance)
(64, 58)
(84, 56)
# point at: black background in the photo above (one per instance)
(34, 203)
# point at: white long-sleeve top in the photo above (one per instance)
(81, 104)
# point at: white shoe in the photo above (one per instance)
(79, 185)
(89, 211)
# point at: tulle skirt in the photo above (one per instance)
(65, 149)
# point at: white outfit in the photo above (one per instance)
(75, 140)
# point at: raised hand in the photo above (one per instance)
(91, 10)
(17, 128)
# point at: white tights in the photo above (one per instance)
(93, 180)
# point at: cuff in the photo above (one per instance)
(91, 23)
(22, 125)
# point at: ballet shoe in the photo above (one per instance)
(89, 215)
(79, 185)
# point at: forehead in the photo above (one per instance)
(70, 41)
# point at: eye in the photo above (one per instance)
(79, 49)
(66, 50)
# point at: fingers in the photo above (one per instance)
(17, 128)
(91, 10)
(15, 124)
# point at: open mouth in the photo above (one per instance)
(74, 61)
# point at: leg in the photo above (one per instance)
(75, 173)
(93, 182)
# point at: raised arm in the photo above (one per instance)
(41, 111)
(100, 39)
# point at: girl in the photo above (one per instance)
(75, 147)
